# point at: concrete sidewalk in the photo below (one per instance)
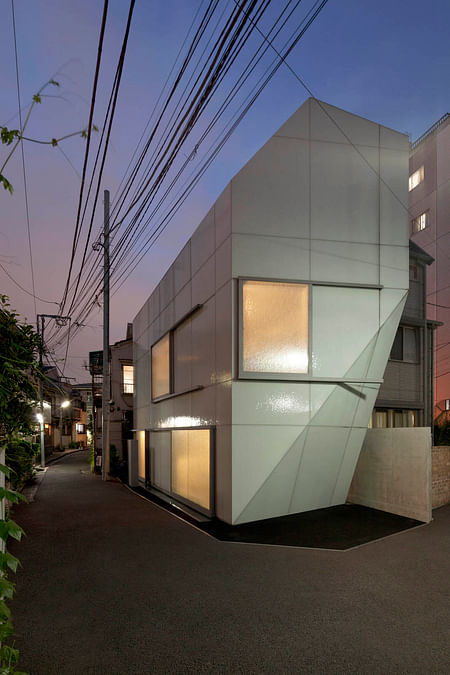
(112, 584)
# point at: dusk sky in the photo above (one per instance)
(386, 61)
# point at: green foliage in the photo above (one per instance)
(8, 135)
(37, 98)
(6, 184)
(20, 455)
(18, 365)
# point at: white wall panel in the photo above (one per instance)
(223, 263)
(182, 268)
(320, 463)
(257, 450)
(353, 445)
(353, 315)
(183, 302)
(223, 402)
(203, 407)
(271, 257)
(166, 289)
(203, 282)
(341, 262)
(203, 347)
(394, 218)
(223, 333)
(222, 216)
(271, 193)
(203, 242)
(333, 405)
(276, 403)
(297, 126)
(223, 457)
(329, 123)
(344, 194)
(394, 271)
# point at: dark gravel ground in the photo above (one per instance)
(112, 584)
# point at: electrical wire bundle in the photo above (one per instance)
(222, 70)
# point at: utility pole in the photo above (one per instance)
(106, 383)
(60, 320)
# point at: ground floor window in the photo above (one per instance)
(394, 418)
(179, 463)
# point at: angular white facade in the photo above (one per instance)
(280, 313)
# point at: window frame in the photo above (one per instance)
(170, 332)
(421, 172)
(416, 221)
(123, 365)
(149, 461)
(418, 345)
(252, 375)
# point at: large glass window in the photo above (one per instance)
(161, 380)
(191, 465)
(275, 328)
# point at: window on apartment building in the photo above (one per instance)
(447, 403)
(420, 222)
(80, 428)
(161, 367)
(274, 319)
(416, 178)
(127, 379)
(393, 418)
(406, 345)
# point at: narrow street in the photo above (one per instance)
(112, 584)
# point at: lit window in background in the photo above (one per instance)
(128, 379)
(420, 223)
(416, 178)
(275, 327)
(161, 367)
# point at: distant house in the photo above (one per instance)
(260, 354)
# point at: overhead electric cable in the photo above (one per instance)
(30, 248)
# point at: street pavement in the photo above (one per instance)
(112, 584)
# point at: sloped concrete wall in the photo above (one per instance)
(393, 472)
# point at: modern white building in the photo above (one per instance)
(259, 356)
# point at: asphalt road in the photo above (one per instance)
(111, 584)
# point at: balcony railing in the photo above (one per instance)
(429, 131)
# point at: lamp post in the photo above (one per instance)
(40, 419)
(64, 404)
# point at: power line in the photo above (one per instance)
(23, 160)
(36, 297)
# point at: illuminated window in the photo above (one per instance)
(447, 403)
(191, 465)
(420, 223)
(383, 418)
(161, 380)
(274, 329)
(141, 454)
(416, 178)
(80, 428)
(128, 379)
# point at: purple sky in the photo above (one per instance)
(387, 61)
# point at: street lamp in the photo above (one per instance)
(40, 419)
(64, 404)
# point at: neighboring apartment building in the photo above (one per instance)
(429, 204)
(260, 354)
(405, 398)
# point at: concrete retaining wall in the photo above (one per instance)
(394, 472)
(440, 460)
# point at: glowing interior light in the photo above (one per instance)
(275, 327)
(64, 404)
(40, 418)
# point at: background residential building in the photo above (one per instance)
(429, 204)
